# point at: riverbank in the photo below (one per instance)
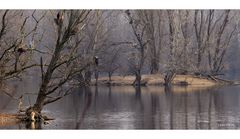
(158, 79)
(9, 119)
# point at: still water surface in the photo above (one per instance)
(148, 108)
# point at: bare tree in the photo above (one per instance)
(64, 63)
(18, 43)
(210, 27)
(138, 57)
(195, 38)
(186, 58)
(97, 32)
(173, 41)
(152, 20)
(220, 42)
(16, 52)
(110, 61)
(199, 21)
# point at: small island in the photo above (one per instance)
(158, 79)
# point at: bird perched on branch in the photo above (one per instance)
(31, 44)
(127, 12)
(74, 31)
(21, 50)
(59, 19)
(131, 21)
(96, 60)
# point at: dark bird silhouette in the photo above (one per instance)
(127, 12)
(59, 19)
(21, 50)
(74, 31)
(131, 21)
(58, 15)
(21, 97)
(96, 60)
(56, 21)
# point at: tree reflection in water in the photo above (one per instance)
(33, 125)
(87, 103)
(153, 107)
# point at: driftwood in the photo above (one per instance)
(217, 79)
(231, 82)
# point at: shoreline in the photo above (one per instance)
(158, 80)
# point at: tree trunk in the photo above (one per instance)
(109, 76)
(154, 66)
(137, 81)
(96, 76)
(87, 77)
(34, 112)
(169, 78)
(199, 59)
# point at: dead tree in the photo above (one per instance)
(15, 51)
(199, 21)
(217, 50)
(173, 39)
(97, 32)
(185, 56)
(210, 27)
(62, 66)
(139, 31)
(152, 20)
(110, 61)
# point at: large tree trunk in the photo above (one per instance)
(199, 59)
(96, 75)
(169, 78)
(34, 112)
(109, 76)
(154, 66)
(137, 81)
(87, 77)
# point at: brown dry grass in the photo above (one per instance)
(8, 119)
(158, 79)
